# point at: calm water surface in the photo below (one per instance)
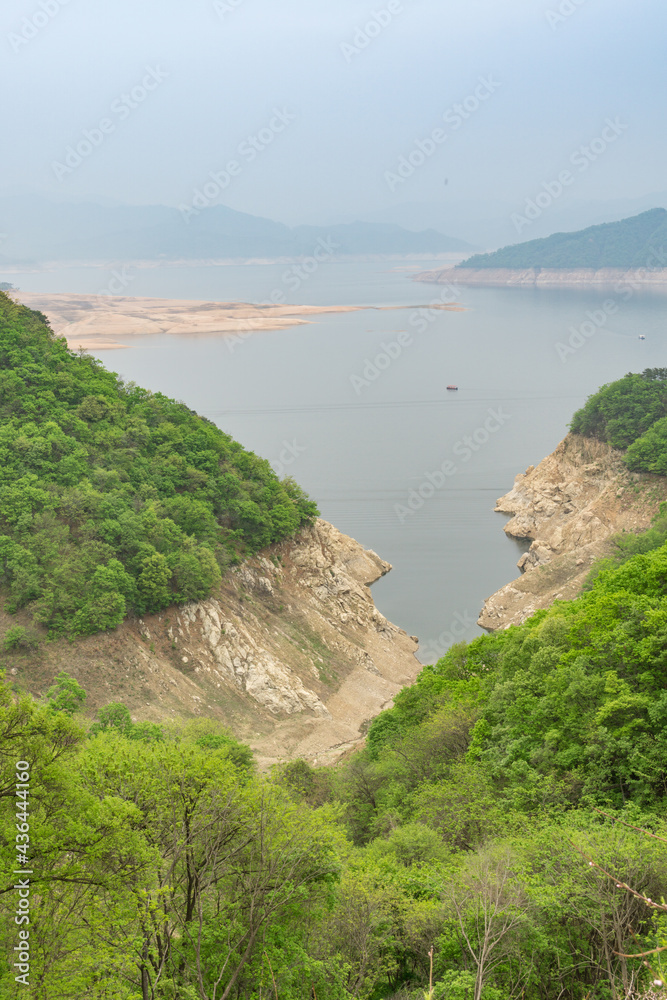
(363, 451)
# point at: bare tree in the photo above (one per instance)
(244, 883)
(490, 904)
(627, 906)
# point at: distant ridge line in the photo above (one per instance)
(638, 242)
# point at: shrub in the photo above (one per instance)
(17, 637)
(66, 694)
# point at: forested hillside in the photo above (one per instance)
(630, 414)
(492, 817)
(634, 242)
(507, 786)
(113, 498)
(502, 834)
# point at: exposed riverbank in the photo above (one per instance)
(617, 279)
(103, 322)
(568, 506)
(290, 652)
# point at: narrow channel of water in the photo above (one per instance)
(363, 419)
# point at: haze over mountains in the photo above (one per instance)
(35, 229)
(487, 220)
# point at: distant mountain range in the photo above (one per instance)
(632, 242)
(35, 229)
(486, 220)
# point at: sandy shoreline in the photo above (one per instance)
(98, 322)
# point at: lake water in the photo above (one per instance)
(364, 451)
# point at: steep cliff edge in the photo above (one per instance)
(568, 507)
(291, 652)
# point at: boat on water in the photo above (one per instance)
(642, 337)
(452, 387)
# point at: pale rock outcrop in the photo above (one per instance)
(241, 660)
(568, 506)
(290, 652)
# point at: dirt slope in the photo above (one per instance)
(291, 652)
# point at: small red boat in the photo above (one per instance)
(452, 387)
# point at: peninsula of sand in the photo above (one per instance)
(107, 322)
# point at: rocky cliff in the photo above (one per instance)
(568, 507)
(291, 652)
(500, 277)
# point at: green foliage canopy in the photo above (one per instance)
(631, 414)
(113, 498)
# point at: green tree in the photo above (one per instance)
(153, 584)
(66, 694)
(114, 716)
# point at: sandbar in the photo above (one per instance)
(107, 322)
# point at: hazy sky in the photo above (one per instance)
(357, 85)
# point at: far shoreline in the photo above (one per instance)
(32, 266)
(654, 279)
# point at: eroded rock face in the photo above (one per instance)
(240, 660)
(291, 652)
(568, 506)
(332, 572)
